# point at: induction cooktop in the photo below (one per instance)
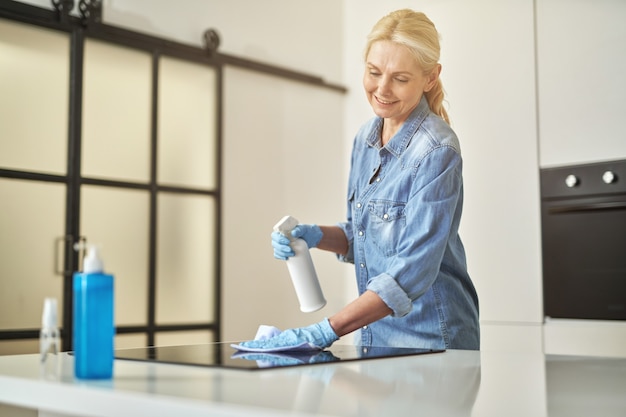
(222, 355)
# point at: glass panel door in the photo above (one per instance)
(117, 147)
(34, 97)
(187, 117)
(34, 85)
(117, 221)
(187, 154)
(185, 268)
(32, 218)
(117, 97)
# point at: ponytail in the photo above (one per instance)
(435, 101)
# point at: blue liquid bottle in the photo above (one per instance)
(94, 328)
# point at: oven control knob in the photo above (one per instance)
(571, 181)
(609, 177)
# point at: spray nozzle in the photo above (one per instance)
(285, 226)
(49, 315)
(49, 336)
(92, 263)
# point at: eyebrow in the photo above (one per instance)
(369, 64)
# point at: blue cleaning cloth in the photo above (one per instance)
(303, 347)
(264, 333)
(270, 339)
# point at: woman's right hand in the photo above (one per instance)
(310, 233)
(280, 243)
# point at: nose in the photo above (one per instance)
(384, 86)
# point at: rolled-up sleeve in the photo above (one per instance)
(347, 230)
(387, 288)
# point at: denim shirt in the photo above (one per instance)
(404, 208)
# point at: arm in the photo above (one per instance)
(333, 240)
(366, 309)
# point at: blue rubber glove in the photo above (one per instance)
(310, 233)
(314, 337)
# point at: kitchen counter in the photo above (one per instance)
(452, 383)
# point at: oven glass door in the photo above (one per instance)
(584, 258)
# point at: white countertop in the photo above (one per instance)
(453, 383)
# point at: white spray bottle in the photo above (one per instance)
(49, 340)
(301, 269)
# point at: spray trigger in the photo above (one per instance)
(285, 226)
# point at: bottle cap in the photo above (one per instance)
(49, 316)
(92, 262)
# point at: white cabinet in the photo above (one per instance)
(581, 56)
(585, 337)
(488, 72)
(489, 76)
(513, 97)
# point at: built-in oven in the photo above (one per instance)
(583, 219)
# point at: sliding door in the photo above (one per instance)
(34, 85)
(112, 139)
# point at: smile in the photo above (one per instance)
(379, 100)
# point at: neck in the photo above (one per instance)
(389, 129)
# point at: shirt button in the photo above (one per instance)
(360, 232)
(378, 179)
(385, 216)
(365, 327)
(358, 205)
(362, 265)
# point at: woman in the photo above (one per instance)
(405, 197)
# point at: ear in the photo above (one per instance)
(432, 78)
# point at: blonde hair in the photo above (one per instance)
(416, 32)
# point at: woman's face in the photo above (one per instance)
(393, 80)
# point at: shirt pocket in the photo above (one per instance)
(386, 221)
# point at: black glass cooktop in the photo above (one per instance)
(224, 356)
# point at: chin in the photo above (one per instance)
(385, 114)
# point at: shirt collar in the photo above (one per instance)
(399, 142)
